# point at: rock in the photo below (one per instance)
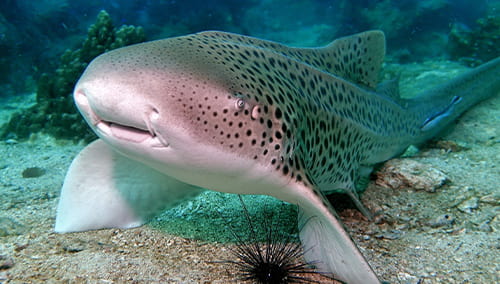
(405, 173)
(410, 151)
(33, 172)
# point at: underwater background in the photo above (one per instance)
(444, 235)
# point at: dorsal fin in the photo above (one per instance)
(357, 58)
(390, 89)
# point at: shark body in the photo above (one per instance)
(231, 113)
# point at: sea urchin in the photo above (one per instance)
(277, 261)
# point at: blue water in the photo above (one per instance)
(33, 34)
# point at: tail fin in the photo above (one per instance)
(329, 246)
(437, 107)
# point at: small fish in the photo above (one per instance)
(236, 114)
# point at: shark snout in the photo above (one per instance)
(83, 104)
(102, 100)
(115, 121)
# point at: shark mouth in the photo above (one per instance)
(123, 132)
(112, 129)
(130, 134)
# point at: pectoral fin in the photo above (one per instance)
(104, 189)
(328, 245)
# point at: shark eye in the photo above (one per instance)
(240, 104)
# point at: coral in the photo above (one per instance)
(54, 112)
(476, 46)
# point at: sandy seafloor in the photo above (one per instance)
(186, 244)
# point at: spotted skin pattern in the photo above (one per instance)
(309, 113)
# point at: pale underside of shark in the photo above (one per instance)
(236, 114)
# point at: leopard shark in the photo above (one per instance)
(237, 114)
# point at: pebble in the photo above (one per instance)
(468, 205)
(407, 278)
(73, 246)
(441, 221)
(392, 235)
(11, 141)
(492, 199)
(6, 262)
(495, 223)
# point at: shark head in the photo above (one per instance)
(174, 106)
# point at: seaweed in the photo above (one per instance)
(54, 112)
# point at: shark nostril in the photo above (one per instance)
(81, 98)
(154, 114)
